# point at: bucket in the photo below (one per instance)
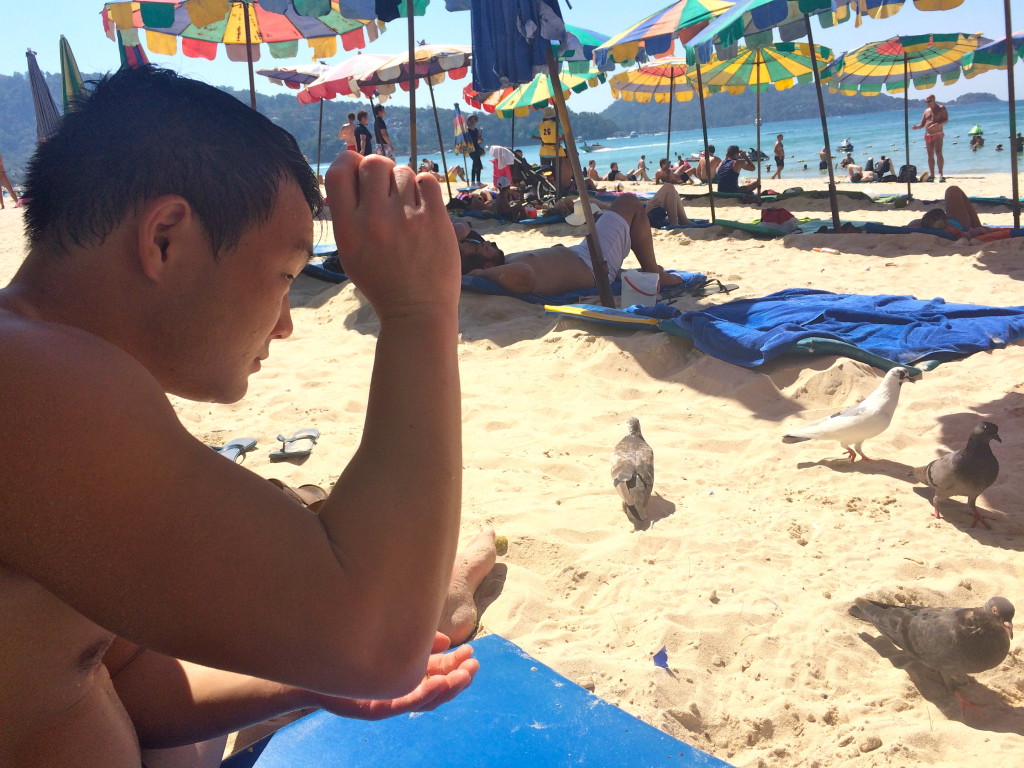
(639, 288)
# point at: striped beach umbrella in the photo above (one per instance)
(72, 86)
(296, 77)
(342, 79)
(661, 81)
(432, 63)
(987, 58)
(485, 100)
(241, 26)
(895, 63)
(656, 34)
(47, 116)
(780, 66)
(538, 93)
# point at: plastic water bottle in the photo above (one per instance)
(833, 251)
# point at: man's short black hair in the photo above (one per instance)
(351, 116)
(378, 108)
(147, 132)
(711, 148)
(361, 114)
(732, 150)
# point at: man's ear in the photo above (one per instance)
(166, 228)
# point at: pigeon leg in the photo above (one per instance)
(977, 516)
(966, 704)
(849, 452)
(861, 452)
(935, 511)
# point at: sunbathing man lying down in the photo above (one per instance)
(559, 269)
(959, 218)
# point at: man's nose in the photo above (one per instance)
(284, 327)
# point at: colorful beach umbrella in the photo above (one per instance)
(342, 79)
(661, 81)
(657, 34)
(132, 56)
(241, 26)
(463, 144)
(987, 58)
(72, 86)
(895, 63)
(485, 100)
(296, 77)
(47, 117)
(539, 93)
(780, 66)
(432, 63)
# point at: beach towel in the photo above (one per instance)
(904, 329)
(758, 230)
(518, 713)
(691, 281)
(873, 228)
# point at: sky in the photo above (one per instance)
(39, 24)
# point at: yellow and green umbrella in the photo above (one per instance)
(538, 93)
(656, 34)
(993, 56)
(71, 85)
(662, 81)
(895, 63)
(780, 66)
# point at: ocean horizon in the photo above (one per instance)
(872, 134)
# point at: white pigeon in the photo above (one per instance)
(868, 418)
(633, 472)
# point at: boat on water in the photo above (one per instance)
(590, 147)
(632, 134)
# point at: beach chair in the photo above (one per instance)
(518, 712)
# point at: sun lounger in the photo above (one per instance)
(873, 228)
(517, 713)
(482, 285)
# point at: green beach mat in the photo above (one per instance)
(757, 230)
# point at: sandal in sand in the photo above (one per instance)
(297, 446)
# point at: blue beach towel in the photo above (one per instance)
(750, 332)
(518, 713)
(691, 281)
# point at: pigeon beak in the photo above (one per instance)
(1009, 628)
(997, 438)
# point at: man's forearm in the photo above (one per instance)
(172, 702)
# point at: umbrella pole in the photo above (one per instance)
(412, 84)
(513, 131)
(757, 120)
(906, 114)
(671, 98)
(833, 198)
(593, 244)
(319, 138)
(1010, 52)
(440, 142)
(707, 151)
(248, 58)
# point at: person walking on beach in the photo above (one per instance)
(363, 137)
(162, 595)
(347, 134)
(780, 157)
(823, 159)
(476, 137)
(934, 122)
(380, 133)
(5, 182)
(640, 172)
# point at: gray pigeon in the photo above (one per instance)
(967, 472)
(868, 418)
(633, 472)
(955, 642)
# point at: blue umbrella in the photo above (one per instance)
(47, 116)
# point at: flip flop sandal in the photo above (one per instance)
(309, 496)
(235, 449)
(297, 446)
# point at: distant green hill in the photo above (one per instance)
(18, 134)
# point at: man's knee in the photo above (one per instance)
(627, 206)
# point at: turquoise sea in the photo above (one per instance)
(872, 134)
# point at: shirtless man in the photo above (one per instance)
(780, 157)
(703, 165)
(559, 269)
(347, 134)
(665, 174)
(6, 184)
(640, 172)
(934, 122)
(151, 594)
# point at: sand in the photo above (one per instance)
(757, 548)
